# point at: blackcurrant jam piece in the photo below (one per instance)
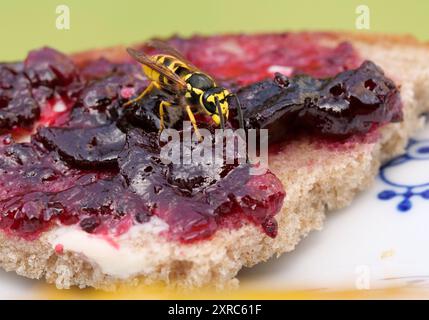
(106, 198)
(17, 104)
(353, 102)
(50, 68)
(85, 147)
(98, 69)
(101, 101)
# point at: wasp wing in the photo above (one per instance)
(176, 84)
(166, 48)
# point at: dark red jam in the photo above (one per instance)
(351, 103)
(247, 59)
(95, 163)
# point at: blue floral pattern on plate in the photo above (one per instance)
(417, 150)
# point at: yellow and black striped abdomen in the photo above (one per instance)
(172, 63)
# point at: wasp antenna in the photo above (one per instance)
(240, 113)
(241, 120)
(219, 110)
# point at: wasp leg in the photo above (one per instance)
(161, 114)
(193, 121)
(149, 88)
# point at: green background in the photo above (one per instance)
(31, 24)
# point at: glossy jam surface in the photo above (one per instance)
(96, 163)
(351, 103)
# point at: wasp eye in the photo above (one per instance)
(209, 105)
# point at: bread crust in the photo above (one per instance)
(317, 180)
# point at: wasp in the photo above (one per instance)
(186, 85)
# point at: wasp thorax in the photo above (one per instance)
(200, 81)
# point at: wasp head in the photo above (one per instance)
(215, 102)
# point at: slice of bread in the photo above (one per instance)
(317, 179)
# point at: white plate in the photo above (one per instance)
(372, 244)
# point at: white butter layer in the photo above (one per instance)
(121, 261)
